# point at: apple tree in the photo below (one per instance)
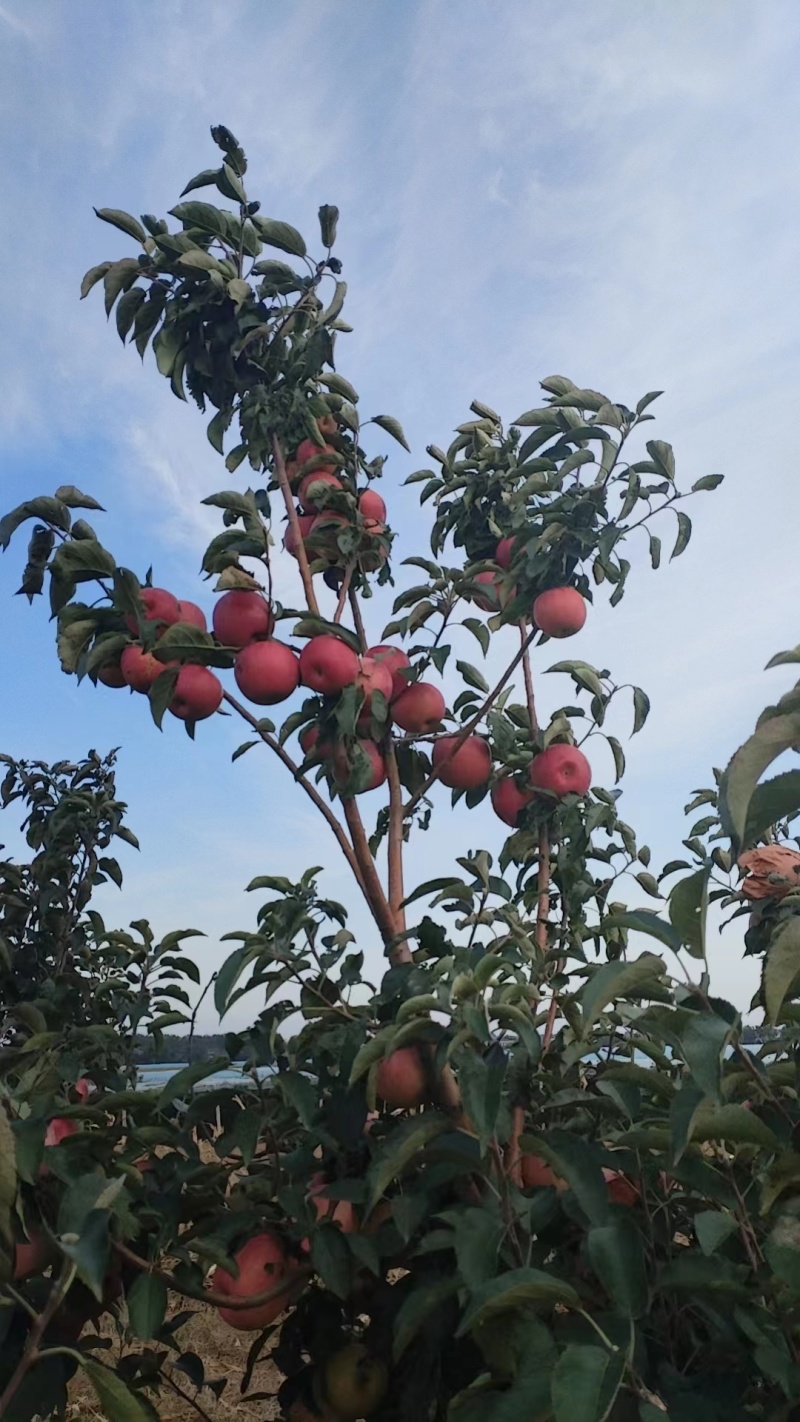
(535, 1171)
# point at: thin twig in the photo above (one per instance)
(294, 524)
(373, 888)
(401, 953)
(348, 573)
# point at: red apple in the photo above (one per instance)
(371, 506)
(419, 708)
(262, 1265)
(537, 1173)
(307, 449)
(339, 1212)
(190, 612)
(368, 776)
(490, 581)
(110, 674)
(504, 552)
(140, 668)
(309, 741)
(158, 606)
(373, 676)
(312, 488)
(305, 522)
(241, 617)
(508, 801)
(197, 694)
(466, 769)
(396, 660)
(58, 1129)
(560, 612)
(561, 769)
(323, 535)
(328, 665)
(402, 1081)
(621, 1190)
(84, 1087)
(267, 672)
(31, 1256)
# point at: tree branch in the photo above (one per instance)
(302, 558)
(373, 888)
(287, 1285)
(401, 953)
(38, 1329)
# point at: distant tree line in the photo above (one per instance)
(175, 1048)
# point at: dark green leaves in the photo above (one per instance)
(114, 1396)
(74, 499)
(663, 458)
(684, 534)
(481, 1081)
(512, 1291)
(147, 1305)
(782, 967)
(585, 1382)
(328, 218)
(739, 780)
(688, 906)
(776, 799)
(281, 235)
(392, 427)
(616, 1255)
(123, 221)
(616, 980)
(183, 1082)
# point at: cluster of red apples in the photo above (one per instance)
(317, 525)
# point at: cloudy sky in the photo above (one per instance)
(600, 190)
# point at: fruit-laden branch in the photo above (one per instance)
(287, 1285)
(458, 740)
(313, 794)
(291, 513)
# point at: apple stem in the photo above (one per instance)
(461, 736)
(294, 524)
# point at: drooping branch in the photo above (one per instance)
(287, 1285)
(294, 524)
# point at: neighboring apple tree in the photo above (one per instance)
(533, 1174)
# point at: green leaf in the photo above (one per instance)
(147, 1306)
(74, 499)
(93, 276)
(123, 221)
(392, 427)
(649, 883)
(644, 921)
(663, 457)
(337, 302)
(127, 308)
(339, 386)
(91, 1250)
(733, 1124)
(119, 277)
(616, 1255)
(182, 1083)
(199, 260)
(712, 1228)
(686, 1104)
(472, 676)
(512, 1291)
(479, 630)
(328, 218)
(203, 215)
(8, 1176)
(317, 627)
(684, 534)
(585, 1383)
(776, 799)
(114, 1396)
(781, 967)
(415, 1311)
(332, 1259)
(616, 979)
(50, 510)
(709, 481)
(655, 551)
(641, 708)
(161, 694)
(481, 1081)
(406, 1142)
(703, 1041)
(747, 766)
(688, 906)
(206, 179)
(280, 234)
(619, 760)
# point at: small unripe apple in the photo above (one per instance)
(508, 801)
(328, 665)
(262, 1265)
(312, 488)
(190, 612)
(419, 708)
(373, 676)
(559, 612)
(562, 770)
(355, 1382)
(305, 522)
(158, 606)
(366, 776)
(307, 449)
(504, 552)
(139, 668)
(197, 694)
(371, 506)
(396, 660)
(241, 617)
(402, 1081)
(267, 672)
(110, 674)
(537, 1173)
(466, 769)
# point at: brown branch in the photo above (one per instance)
(291, 511)
(343, 591)
(287, 1285)
(358, 621)
(313, 794)
(192, 1401)
(528, 675)
(467, 730)
(30, 1353)
(513, 1155)
(401, 953)
(373, 888)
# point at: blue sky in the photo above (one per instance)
(605, 191)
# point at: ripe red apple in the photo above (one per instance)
(197, 695)
(140, 668)
(342, 1213)
(373, 676)
(110, 674)
(419, 708)
(402, 1081)
(354, 1382)
(508, 801)
(158, 606)
(328, 665)
(504, 552)
(489, 580)
(267, 672)
(190, 612)
(241, 617)
(31, 1256)
(371, 506)
(621, 1190)
(469, 767)
(537, 1173)
(84, 1087)
(306, 522)
(312, 488)
(307, 449)
(57, 1130)
(262, 1264)
(396, 660)
(309, 741)
(559, 612)
(373, 774)
(561, 769)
